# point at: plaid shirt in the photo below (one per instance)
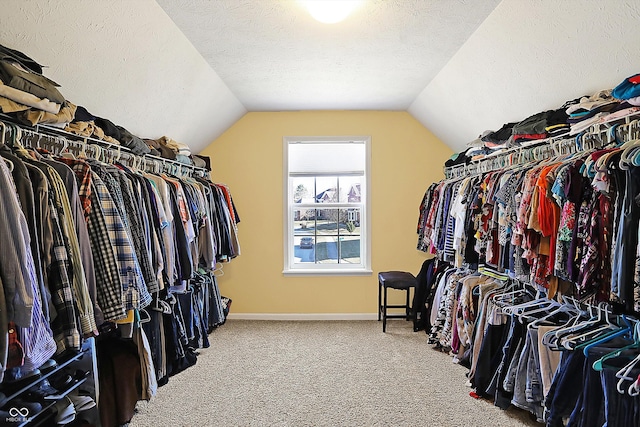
(135, 292)
(109, 290)
(83, 177)
(138, 234)
(121, 191)
(65, 330)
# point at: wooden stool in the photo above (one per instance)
(400, 280)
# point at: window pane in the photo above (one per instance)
(327, 250)
(327, 189)
(304, 221)
(349, 221)
(327, 202)
(303, 189)
(304, 249)
(350, 187)
(350, 249)
(327, 221)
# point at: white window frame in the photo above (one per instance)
(339, 269)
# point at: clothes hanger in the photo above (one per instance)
(562, 309)
(634, 389)
(4, 132)
(599, 334)
(529, 313)
(621, 332)
(146, 318)
(162, 306)
(624, 374)
(553, 338)
(600, 364)
(219, 270)
(520, 307)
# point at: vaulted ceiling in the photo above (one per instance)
(191, 68)
(274, 56)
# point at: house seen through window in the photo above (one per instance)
(326, 187)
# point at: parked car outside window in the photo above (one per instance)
(306, 242)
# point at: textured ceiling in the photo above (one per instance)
(273, 56)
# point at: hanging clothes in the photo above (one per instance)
(104, 249)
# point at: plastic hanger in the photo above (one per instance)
(519, 309)
(528, 312)
(600, 364)
(572, 341)
(563, 308)
(623, 330)
(4, 132)
(552, 338)
(144, 316)
(634, 389)
(624, 374)
(161, 306)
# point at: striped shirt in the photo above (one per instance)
(14, 234)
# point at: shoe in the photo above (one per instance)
(65, 411)
(61, 381)
(79, 374)
(19, 377)
(48, 366)
(82, 403)
(42, 391)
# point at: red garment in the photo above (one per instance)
(529, 136)
(227, 197)
(548, 212)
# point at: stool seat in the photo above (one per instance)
(397, 279)
(400, 280)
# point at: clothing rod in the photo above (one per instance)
(597, 130)
(64, 133)
(52, 131)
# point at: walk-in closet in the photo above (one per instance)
(319, 213)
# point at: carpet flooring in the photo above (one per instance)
(331, 373)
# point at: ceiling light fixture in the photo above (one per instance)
(331, 11)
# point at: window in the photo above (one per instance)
(326, 205)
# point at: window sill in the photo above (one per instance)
(319, 272)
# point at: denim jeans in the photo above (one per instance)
(505, 376)
(533, 390)
(526, 370)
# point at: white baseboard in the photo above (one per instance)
(303, 316)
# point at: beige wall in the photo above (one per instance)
(405, 159)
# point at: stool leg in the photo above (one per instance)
(384, 312)
(379, 299)
(407, 309)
